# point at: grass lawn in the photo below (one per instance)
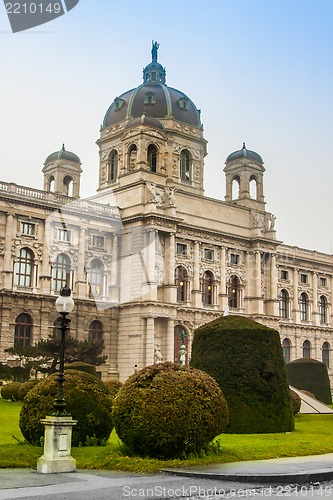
(313, 436)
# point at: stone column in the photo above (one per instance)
(170, 292)
(45, 275)
(315, 315)
(81, 279)
(223, 284)
(196, 292)
(295, 312)
(150, 340)
(8, 261)
(273, 305)
(170, 340)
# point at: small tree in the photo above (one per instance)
(310, 375)
(88, 351)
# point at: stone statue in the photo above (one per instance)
(182, 355)
(272, 219)
(171, 194)
(158, 358)
(154, 50)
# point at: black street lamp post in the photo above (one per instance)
(64, 306)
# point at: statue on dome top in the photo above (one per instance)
(154, 50)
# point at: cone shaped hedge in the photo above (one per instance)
(246, 360)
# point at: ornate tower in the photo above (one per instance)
(152, 133)
(244, 171)
(62, 173)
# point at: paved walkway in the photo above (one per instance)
(300, 470)
(280, 470)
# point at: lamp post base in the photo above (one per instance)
(57, 446)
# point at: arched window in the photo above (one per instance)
(181, 282)
(253, 187)
(304, 306)
(51, 184)
(113, 165)
(69, 185)
(24, 268)
(61, 272)
(23, 330)
(284, 304)
(131, 156)
(207, 288)
(96, 277)
(235, 187)
(325, 354)
(286, 348)
(180, 338)
(323, 309)
(152, 158)
(306, 349)
(185, 166)
(95, 331)
(234, 292)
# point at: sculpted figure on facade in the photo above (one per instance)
(171, 194)
(156, 194)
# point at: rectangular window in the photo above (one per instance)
(28, 228)
(64, 235)
(304, 278)
(284, 274)
(322, 281)
(97, 241)
(234, 258)
(209, 254)
(181, 249)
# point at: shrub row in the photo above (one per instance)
(16, 391)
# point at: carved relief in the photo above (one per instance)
(2, 246)
(157, 195)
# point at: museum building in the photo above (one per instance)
(150, 258)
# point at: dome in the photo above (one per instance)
(65, 155)
(154, 99)
(245, 153)
(145, 120)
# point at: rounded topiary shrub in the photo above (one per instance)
(167, 410)
(310, 375)
(246, 360)
(113, 386)
(81, 366)
(25, 387)
(87, 400)
(295, 401)
(10, 391)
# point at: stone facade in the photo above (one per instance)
(149, 256)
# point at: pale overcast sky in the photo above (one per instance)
(260, 71)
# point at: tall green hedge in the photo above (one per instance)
(246, 360)
(310, 375)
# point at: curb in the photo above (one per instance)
(292, 478)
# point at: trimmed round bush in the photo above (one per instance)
(10, 391)
(167, 410)
(25, 388)
(81, 366)
(87, 400)
(310, 375)
(113, 386)
(246, 359)
(295, 401)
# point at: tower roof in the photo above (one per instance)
(153, 99)
(245, 153)
(65, 155)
